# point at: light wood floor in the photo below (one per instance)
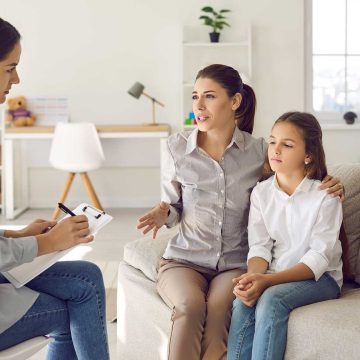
(106, 251)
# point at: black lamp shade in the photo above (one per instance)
(136, 90)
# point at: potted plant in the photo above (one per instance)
(214, 19)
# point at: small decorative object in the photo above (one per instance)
(17, 113)
(136, 91)
(350, 117)
(216, 20)
(191, 119)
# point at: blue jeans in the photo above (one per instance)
(70, 309)
(260, 332)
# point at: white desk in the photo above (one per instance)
(46, 133)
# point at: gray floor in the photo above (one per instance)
(107, 247)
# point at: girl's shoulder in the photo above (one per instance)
(265, 184)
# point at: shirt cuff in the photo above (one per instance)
(259, 251)
(30, 248)
(172, 219)
(316, 262)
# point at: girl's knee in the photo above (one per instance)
(270, 301)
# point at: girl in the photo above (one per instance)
(207, 180)
(295, 252)
(67, 301)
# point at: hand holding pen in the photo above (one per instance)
(67, 233)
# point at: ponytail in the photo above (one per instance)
(245, 113)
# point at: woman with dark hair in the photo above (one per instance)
(65, 302)
(207, 180)
(295, 252)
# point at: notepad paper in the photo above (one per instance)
(22, 274)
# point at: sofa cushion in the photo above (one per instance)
(145, 253)
(349, 175)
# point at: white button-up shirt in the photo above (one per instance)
(210, 199)
(301, 228)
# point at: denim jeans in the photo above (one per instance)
(260, 332)
(70, 309)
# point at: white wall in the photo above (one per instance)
(92, 51)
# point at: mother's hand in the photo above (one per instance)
(333, 186)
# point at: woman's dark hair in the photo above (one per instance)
(231, 81)
(9, 37)
(312, 134)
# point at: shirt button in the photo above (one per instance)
(222, 158)
(218, 254)
(222, 191)
(221, 174)
(220, 223)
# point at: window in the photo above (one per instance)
(332, 58)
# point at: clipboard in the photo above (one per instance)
(23, 273)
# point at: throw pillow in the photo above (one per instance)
(349, 175)
(145, 253)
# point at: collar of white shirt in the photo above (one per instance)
(304, 186)
(237, 138)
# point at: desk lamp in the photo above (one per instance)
(137, 90)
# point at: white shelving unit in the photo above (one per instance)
(199, 54)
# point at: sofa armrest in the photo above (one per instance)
(145, 253)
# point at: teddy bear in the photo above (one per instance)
(17, 114)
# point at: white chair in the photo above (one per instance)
(25, 349)
(76, 148)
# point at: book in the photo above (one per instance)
(23, 273)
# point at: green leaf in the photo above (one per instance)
(222, 23)
(207, 9)
(204, 17)
(224, 11)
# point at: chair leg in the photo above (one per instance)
(90, 190)
(64, 194)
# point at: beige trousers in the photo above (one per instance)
(201, 300)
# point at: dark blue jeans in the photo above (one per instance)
(70, 309)
(260, 332)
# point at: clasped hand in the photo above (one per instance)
(249, 287)
(154, 219)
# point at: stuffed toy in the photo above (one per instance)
(17, 114)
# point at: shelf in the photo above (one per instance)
(340, 127)
(219, 44)
(189, 127)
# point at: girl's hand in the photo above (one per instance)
(250, 288)
(37, 227)
(333, 186)
(154, 219)
(67, 233)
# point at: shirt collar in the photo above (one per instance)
(304, 186)
(192, 141)
(237, 138)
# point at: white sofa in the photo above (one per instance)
(327, 330)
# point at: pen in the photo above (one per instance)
(65, 209)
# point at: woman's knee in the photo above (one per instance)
(191, 308)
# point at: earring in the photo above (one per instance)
(307, 162)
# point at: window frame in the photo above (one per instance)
(324, 117)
